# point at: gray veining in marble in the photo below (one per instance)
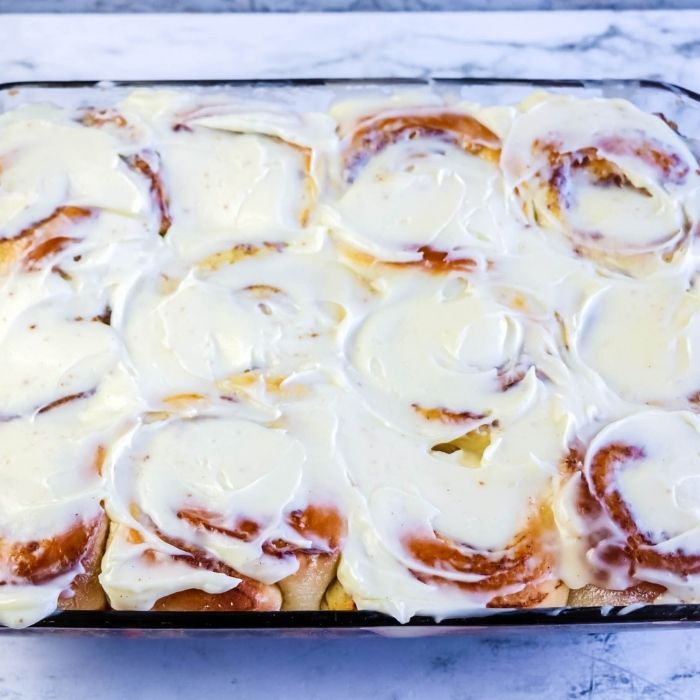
(655, 663)
(329, 5)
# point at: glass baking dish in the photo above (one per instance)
(676, 103)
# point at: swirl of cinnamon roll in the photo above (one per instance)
(51, 524)
(71, 199)
(232, 172)
(451, 529)
(640, 341)
(54, 344)
(211, 504)
(420, 184)
(630, 516)
(243, 329)
(50, 161)
(616, 182)
(441, 361)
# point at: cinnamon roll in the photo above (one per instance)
(629, 514)
(638, 343)
(441, 360)
(247, 331)
(230, 173)
(616, 183)
(420, 188)
(440, 531)
(52, 526)
(212, 512)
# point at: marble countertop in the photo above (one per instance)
(328, 5)
(655, 663)
(589, 44)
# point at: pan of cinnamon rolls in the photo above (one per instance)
(423, 351)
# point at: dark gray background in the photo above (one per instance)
(332, 5)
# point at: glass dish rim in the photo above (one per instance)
(642, 83)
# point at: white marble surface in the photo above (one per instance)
(547, 664)
(574, 44)
(328, 5)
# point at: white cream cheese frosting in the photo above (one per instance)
(619, 183)
(643, 340)
(206, 474)
(441, 323)
(442, 360)
(420, 193)
(49, 160)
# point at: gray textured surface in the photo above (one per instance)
(542, 664)
(328, 5)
